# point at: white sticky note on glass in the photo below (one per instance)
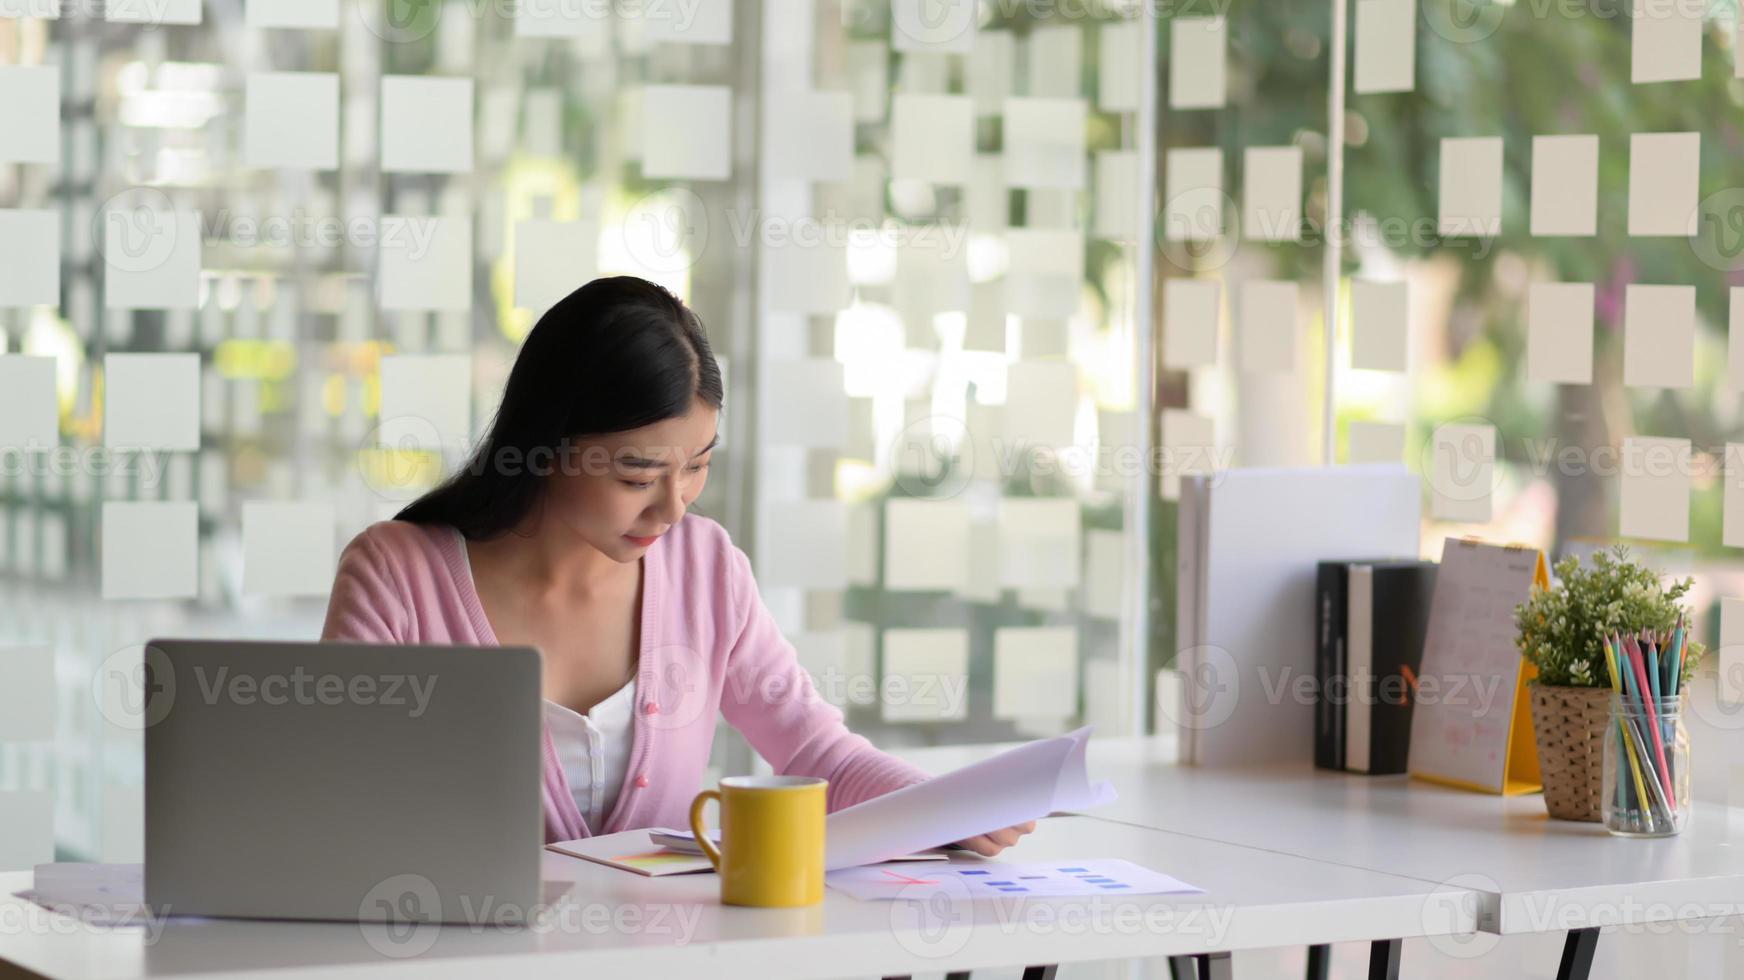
(942, 26)
(1380, 325)
(29, 410)
(1104, 573)
(30, 114)
(1386, 46)
(807, 403)
(30, 257)
(1035, 672)
(27, 836)
(694, 22)
(1655, 496)
(1271, 207)
(809, 276)
(1664, 178)
(926, 544)
(1375, 442)
(1559, 332)
(1735, 338)
(1732, 531)
(291, 119)
(1044, 276)
(1117, 67)
(1198, 52)
(1039, 543)
(151, 401)
(426, 124)
(1471, 186)
(1268, 327)
(1042, 405)
(152, 11)
(1462, 480)
(1116, 198)
(932, 138)
(808, 549)
(932, 270)
(425, 263)
(1044, 143)
(287, 548)
(1056, 59)
(552, 260)
(926, 675)
(150, 549)
(1189, 446)
(693, 139)
(810, 136)
(990, 71)
(1193, 211)
(1565, 185)
(291, 13)
(1659, 336)
(1192, 313)
(426, 402)
(1731, 679)
(151, 255)
(27, 699)
(1665, 43)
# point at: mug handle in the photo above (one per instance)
(696, 827)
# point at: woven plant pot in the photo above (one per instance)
(1569, 723)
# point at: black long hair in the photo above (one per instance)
(614, 355)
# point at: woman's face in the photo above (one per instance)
(621, 491)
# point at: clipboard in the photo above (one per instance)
(1481, 738)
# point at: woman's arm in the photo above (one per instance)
(366, 605)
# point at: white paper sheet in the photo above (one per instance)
(29, 416)
(30, 114)
(1198, 53)
(1025, 783)
(291, 119)
(1559, 332)
(99, 894)
(965, 880)
(1471, 186)
(426, 124)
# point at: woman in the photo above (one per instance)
(568, 532)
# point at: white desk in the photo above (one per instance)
(1532, 874)
(1254, 899)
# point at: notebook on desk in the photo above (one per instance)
(658, 851)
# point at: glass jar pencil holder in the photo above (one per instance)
(1646, 784)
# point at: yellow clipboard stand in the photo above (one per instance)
(1520, 773)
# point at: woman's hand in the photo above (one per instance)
(989, 844)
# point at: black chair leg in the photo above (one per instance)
(1319, 961)
(1577, 954)
(1384, 959)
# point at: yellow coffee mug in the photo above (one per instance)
(772, 833)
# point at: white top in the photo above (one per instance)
(594, 749)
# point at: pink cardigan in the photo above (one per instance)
(707, 644)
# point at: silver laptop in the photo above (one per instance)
(342, 781)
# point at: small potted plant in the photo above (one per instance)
(1561, 631)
